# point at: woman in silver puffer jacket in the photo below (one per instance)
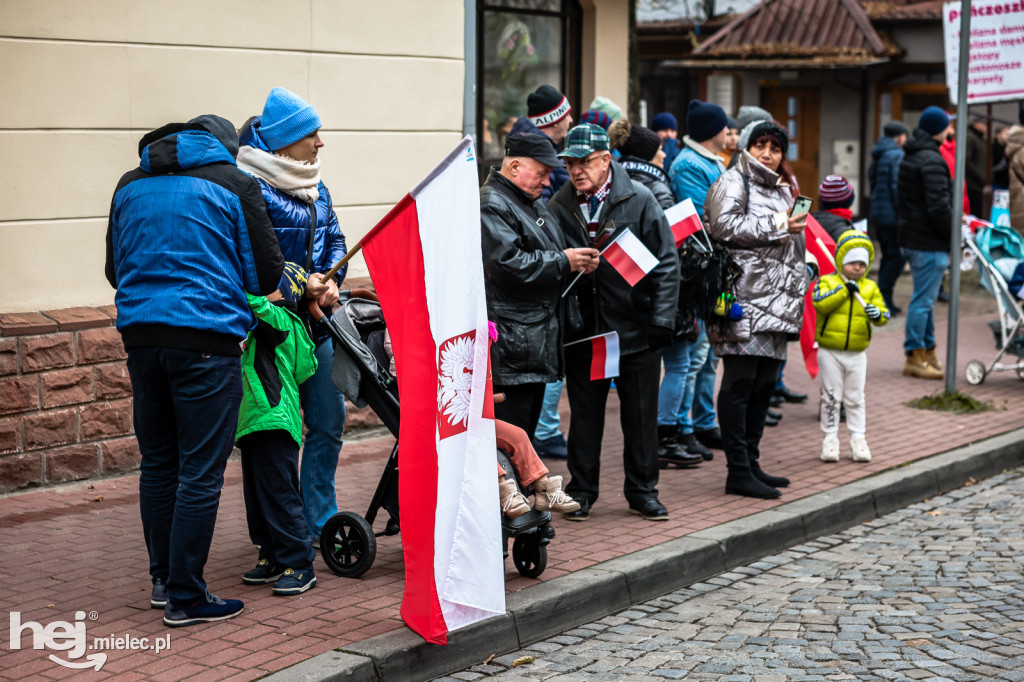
(748, 212)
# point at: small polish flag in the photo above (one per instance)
(684, 220)
(630, 258)
(604, 364)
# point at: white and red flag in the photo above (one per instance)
(604, 361)
(630, 258)
(684, 220)
(426, 263)
(817, 238)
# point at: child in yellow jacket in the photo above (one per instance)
(843, 332)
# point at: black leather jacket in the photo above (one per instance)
(525, 272)
(606, 300)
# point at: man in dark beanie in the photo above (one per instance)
(548, 113)
(883, 215)
(698, 164)
(926, 215)
(835, 195)
(667, 127)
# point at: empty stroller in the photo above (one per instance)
(1009, 328)
(348, 542)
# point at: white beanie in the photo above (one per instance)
(857, 254)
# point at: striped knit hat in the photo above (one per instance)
(835, 192)
(597, 118)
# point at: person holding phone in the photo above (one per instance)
(748, 212)
(836, 196)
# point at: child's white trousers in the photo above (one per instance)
(843, 373)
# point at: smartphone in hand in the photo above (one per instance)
(801, 207)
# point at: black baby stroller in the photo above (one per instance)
(348, 542)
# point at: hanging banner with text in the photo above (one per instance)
(996, 67)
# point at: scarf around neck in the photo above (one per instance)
(292, 177)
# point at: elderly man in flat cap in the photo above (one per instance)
(526, 268)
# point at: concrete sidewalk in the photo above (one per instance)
(80, 548)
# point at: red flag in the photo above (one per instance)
(684, 220)
(813, 233)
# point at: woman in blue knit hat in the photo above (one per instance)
(280, 148)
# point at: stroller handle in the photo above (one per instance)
(344, 295)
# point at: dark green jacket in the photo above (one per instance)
(278, 356)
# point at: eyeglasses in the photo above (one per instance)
(583, 163)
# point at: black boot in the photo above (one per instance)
(773, 481)
(741, 481)
(670, 452)
(694, 446)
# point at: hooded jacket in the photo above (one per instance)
(1015, 160)
(925, 195)
(747, 216)
(883, 174)
(559, 176)
(187, 237)
(525, 272)
(693, 172)
(651, 177)
(607, 302)
(842, 323)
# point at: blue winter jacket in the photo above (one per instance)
(671, 148)
(883, 174)
(692, 174)
(292, 218)
(187, 237)
(559, 176)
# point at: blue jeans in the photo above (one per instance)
(323, 411)
(185, 406)
(697, 411)
(927, 268)
(677, 362)
(549, 424)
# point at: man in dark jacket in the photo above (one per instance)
(526, 267)
(598, 204)
(883, 217)
(926, 214)
(188, 236)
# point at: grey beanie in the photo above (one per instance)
(749, 114)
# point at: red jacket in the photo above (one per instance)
(948, 151)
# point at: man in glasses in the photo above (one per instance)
(599, 203)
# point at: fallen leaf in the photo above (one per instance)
(49, 606)
(935, 512)
(99, 498)
(918, 642)
(969, 482)
(489, 659)
(522, 660)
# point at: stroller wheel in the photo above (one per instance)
(348, 544)
(529, 555)
(1020, 371)
(974, 372)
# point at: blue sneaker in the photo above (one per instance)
(158, 599)
(295, 582)
(552, 448)
(208, 609)
(264, 572)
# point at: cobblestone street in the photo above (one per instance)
(932, 592)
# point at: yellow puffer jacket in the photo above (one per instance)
(842, 323)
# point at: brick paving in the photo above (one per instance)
(930, 592)
(80, 547)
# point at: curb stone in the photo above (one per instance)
(610, 586)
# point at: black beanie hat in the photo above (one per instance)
(704, 120)
(546, 106)
(643, 143)
(772, 130)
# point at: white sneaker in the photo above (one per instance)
(859, 450)
(830, 448)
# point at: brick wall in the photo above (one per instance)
(65, 398)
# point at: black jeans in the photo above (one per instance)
(273, 503)
(186, 412)
(637, 386)
(521, 406)
(892, 262)
(747, 385)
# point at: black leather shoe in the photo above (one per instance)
(711, 438)
(650, 509)
(581, 514)
(694, 447)
(770, 421)
(776, 400)
(682, 459)
(790, 396)
(777, 416)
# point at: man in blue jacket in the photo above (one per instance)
(884, 217)
(188, 236)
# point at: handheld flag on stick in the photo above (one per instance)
(604, 363)
(630, 258)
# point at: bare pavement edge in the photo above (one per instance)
(605, 588)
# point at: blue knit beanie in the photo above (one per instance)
(704, 120)
(286, 119)
(664, 121)
(933, 121)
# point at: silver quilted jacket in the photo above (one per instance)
(774, 280)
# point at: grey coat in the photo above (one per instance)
(774, 281)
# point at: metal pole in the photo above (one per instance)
(958, 196)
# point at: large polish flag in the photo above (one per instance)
(630, 258)
(816, 237)
(684, 220)
(426, 263)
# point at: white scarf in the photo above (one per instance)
(297, 178)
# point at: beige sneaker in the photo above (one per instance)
(830, 448)
(513, 503)
(859, 450)
(552, 497)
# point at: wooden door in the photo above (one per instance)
(799, 112)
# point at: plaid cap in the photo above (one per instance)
(584, 140)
